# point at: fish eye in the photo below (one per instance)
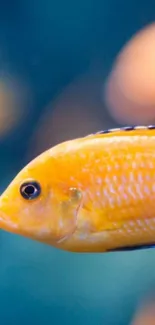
(30, 190)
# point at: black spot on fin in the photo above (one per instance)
(128, 128)
(132, 248)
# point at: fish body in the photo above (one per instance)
(92, 194)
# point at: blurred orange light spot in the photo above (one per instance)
(130, 90)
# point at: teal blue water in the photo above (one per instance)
(47, 44)
(39, 284)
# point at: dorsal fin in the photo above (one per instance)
(122, 131)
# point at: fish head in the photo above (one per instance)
(39, 205)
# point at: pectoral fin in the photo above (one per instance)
(68, 214)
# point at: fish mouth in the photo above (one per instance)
(6, 224)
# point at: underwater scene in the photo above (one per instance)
(69, 69)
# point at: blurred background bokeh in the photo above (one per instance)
(67, 69)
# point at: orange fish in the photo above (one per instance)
(92, 194)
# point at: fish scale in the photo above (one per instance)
(137, 180)
(97, 193)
